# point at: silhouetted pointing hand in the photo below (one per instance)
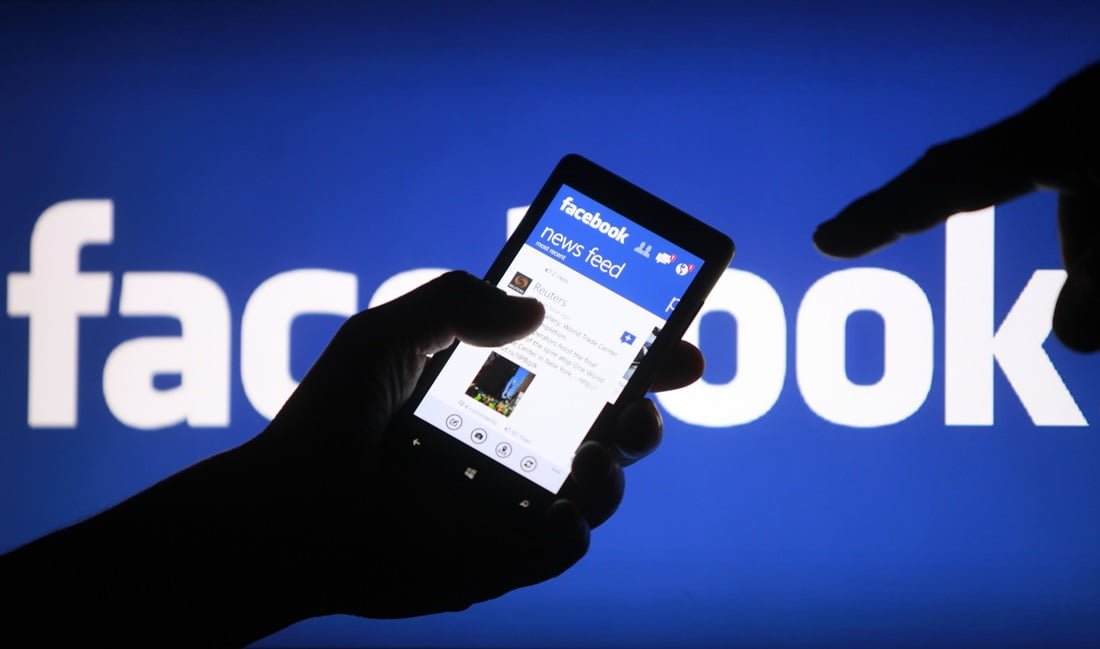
(312, 517)
(1055, 143)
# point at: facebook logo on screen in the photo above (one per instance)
(594, 221)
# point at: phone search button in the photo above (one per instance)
(528, 464)
(478, 436)
(504, 449)
(453, 422)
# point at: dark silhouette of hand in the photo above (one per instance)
(1054, 143)
(312, 517)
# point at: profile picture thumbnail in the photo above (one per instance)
(500, 384)
(519, 283)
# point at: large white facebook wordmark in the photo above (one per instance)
(54, 295)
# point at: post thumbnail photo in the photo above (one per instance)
(500, 384)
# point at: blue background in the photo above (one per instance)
(239, 140)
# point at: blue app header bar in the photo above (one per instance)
(614, 251)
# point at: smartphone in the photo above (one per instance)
(621, 274)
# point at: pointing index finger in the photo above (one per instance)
(988, 167)
(1048, 144)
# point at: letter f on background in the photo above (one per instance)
(53, 295)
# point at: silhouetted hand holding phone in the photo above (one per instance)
(1055, 143)
(309, 518)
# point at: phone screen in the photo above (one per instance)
(608, 285)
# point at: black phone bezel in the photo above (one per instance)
(441, 457)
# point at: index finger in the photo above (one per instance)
(683, 366)
(1042, 145)
(988, 167)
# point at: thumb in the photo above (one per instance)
(457, 304)
(381, 351)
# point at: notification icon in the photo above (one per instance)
(684, 269)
